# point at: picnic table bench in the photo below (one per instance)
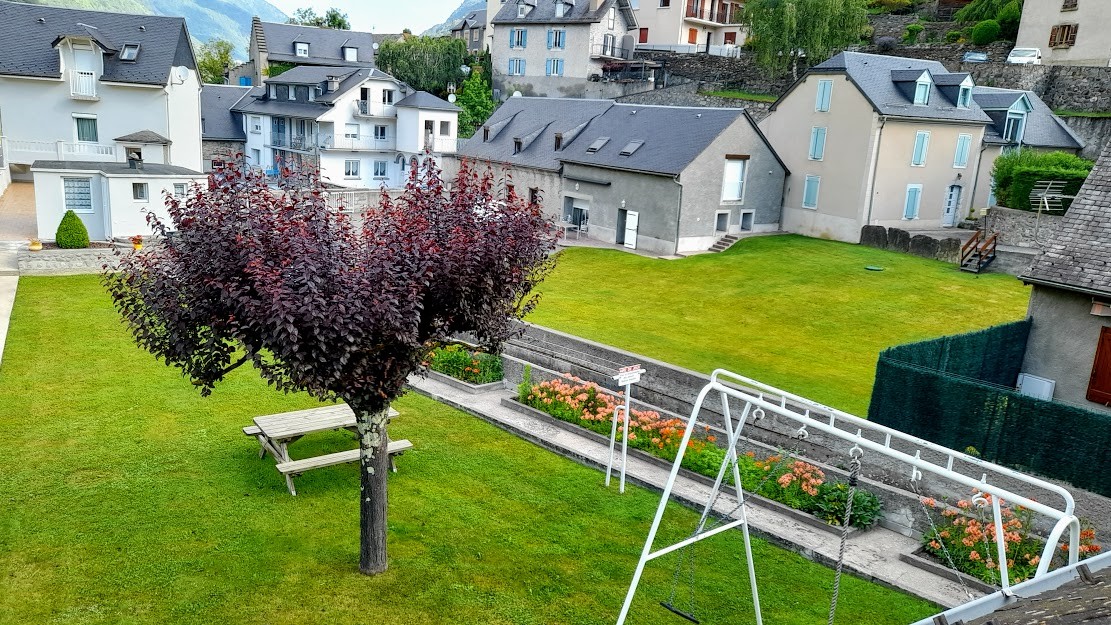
(274, 434)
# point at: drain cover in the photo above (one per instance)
(874, 268)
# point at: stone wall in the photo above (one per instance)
(897, 240)
(220, 150)
(693, 94)
(1095, 131)
(888, 25)
(1022, 228)
(739, 72)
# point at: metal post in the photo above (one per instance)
(625, 438)
(613, 443)
(1001, 546)
(731, 453)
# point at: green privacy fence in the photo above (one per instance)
(958, 391)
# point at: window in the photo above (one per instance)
(350, 131)
(922, 93)
(825, 90)
(1099, 385)
(130, 52)
(965, 97)
(245, 81)
(521, 10)
(554, 67)
(474, 34)
(692, 36)
(445, 129)
(559, 8)
(817, 143)
(597, 145)
(380, 133)
(510, 191)
(558, 141)
(516, 67)
(179, 189)
(810, 191)
(518, 38)
(301, 49)
(273, 92)
(609, 45)
(351, 169)
(921, 146)
(1062, 35)
(733, 182)
(964, 146)
(1068, 5)
(1015, 128)
(86, 129)
(612, 18)
(78, 194)
(913, 201)
(665, 3)
(387, 96)
(139, 191)
(256, 156)
(557, 38)
(630, 147)
(256, 124)
(534, 195)
(350, 53)
(517, 146)
(381, 169)
(643, 38)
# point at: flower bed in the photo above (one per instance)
(468, 365)
(781, 478)
(968, 534)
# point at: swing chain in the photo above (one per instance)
(854, 471)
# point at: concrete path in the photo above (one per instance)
(9, 279)
(873, 555)
(17, 213)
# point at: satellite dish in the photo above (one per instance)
(516, 94)
(375, 46)
(182, 73)
(451, 98)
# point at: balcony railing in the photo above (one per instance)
(293, 142)
(708, 13)
(82, 85)
(441, 145)
(358, 143)
(25, 152)
(610, 51)
(373, 108)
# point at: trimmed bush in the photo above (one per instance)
(1016, 173)
(889, 5)
(953, 36)
(985, 32)
(1025, 177)
(911, 34)
(886, 44)
(71, 234)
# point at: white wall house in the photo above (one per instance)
(688, 25)
(89, 88)
(361, 127)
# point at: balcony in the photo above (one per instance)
(372, 108)
(303, 143)
(25, 152)
(82, 85)
(610, 51)
(388, 144)
(708, 14)
(441, 145)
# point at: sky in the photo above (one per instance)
(380, 16)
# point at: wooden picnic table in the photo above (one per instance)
(276, 432)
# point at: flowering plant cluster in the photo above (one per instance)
(467, 365)
(968, 533)
(795, 483)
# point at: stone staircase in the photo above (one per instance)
(724, 243)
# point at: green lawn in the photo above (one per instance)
(738, 94)
(801, 314)
(128, 499)
(1068, 113)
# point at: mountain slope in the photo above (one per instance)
(206, 19)
(466, 7)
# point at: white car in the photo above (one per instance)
(1025, 56)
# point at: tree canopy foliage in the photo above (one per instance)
(425, 63)
(213, 59)
(980, 10)
(475, 101)
(785, 33)
(333, 18)
(316, 303)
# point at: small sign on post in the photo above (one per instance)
(627, 377)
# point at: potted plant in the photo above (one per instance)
(35, 245)
(137, 242)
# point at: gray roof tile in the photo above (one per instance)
(471, 20)
(311, 74)
(1043, 128)
(578, 13)
(1073, 603)
(425, 100)
(26, 43)
(143, 136)
(1076, 257)
(220, 122)
(149, 169)
(325, 44)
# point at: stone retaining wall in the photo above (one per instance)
(692, 94)
(898, 240)
(1022, 228)
(1095, 131)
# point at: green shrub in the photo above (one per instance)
(888, 5)
(1016, 172)
(834, 496)
(953, 36)
(463, 364)
(979, 10)
(1009, 17)
(71, 234)
(1025, 177)
(985, 32)
(911, 34)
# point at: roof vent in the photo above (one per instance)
(698, 115)
(631, 147)
(559, 141)
(485, 134)
(42, 20)
(597, 145)
(333, 84)
(517, 146)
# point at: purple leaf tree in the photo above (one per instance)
(319, 303)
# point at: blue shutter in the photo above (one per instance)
(548, 67)
(551, 35)
(817, 143)
(810, 192)
(511, 66)
(964, 145)
(921, 144)
(512, 37)
(521, 65)
(825, 87)
(560, 63)
(563, 40)
(910, 210)
(524, 37)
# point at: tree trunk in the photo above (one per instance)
(374, 462)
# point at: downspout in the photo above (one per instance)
(976, 175)
(874, 168)
(678, 212)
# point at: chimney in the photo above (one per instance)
(596, 4)
(333, 84)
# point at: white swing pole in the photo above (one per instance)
(732, 453)
(625, 436)
(708, 508)
(646, 553)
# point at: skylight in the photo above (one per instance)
(631, 147)
(597, 145)
(130, 52)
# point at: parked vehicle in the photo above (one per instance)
(1025, 56)
(975, 57)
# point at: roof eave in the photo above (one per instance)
(1028, 279)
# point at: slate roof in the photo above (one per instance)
(1043, 128)
(543, 12)
(879, 78)
(143, 136)
(149, 169)
(27, 44)
(325, 44)
(256, 102)
(1073, 603)
(471, 20)
(1076, 257)
(311, 74)
(425, 100)
(219, 122)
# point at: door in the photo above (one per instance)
(632, 219)
(721, 222)
(580, 215)
(622, 219)
(1099, 385)
(952, 206)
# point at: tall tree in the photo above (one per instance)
(333, 18)
(317, 304)
(425, 63)
(785, 33)
(214, 59)
(475, 101)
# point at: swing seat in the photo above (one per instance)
(674, 610)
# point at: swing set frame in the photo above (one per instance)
(760, 399)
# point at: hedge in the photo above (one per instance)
(1034, 166)
(1025, 177)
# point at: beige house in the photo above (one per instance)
(685, 23)
(1053, 26)
(889, 141)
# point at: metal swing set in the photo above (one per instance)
(759, 400)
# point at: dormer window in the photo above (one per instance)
(559, 141)
(350, 53)
(522, 9)
(964, 99)
(301, 49)
(1015, 128)
(273, 91)
(130, 52)
(516, 146)
(597, 145)
(559, 9)
(922, 91)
